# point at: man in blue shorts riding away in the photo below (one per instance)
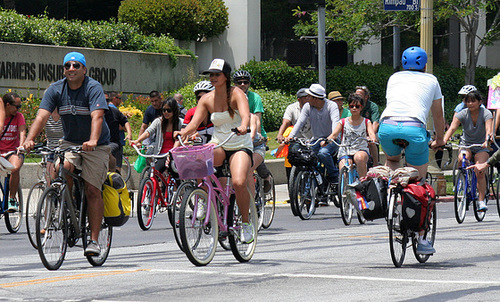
(411, 94)
(81, 104)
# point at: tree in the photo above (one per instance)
(356, 21)
(469, 13)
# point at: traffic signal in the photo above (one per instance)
(336, 53)
(299, 53)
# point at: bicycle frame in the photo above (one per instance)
(155, 176)
(5, 192)
(469, 188)
(224, 192)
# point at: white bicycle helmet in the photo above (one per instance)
(203, 86)
(467, 89)
(242, 74)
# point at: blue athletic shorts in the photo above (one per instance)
(417, 151)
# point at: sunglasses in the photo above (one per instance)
(357, 106)
(243, 82)
(169, 110)
(75, 65)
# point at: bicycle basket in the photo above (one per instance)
(299, 155)
(194, 162)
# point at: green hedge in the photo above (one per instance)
(181, 19)
(277, 75)
(93, 34)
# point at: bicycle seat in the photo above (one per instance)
(400, 142)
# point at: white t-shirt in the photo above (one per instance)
(292, 113)
(410, 94)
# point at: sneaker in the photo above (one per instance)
(482, 207)
(246, 233)
(200, 213)
(92, 249)
(13, 207)
(267, 185)
(425, 247)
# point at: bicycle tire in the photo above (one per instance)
(104, 241)
(306, 194)
(259, 199)
(243, 252)
(13, 221)
(430, 235)
(34, 195)
(146, 205)
(176, 206)
(269, 206)
(51, 229)
(292, 195)
(128, 171)
(479, 215)
(460, 197)
(361, 218)
(346, 208)
(199, 240)
(497, 193)
(398, 237)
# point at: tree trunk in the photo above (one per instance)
(9, 4)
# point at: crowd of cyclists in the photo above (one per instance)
(78, 111)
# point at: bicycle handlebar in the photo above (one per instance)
(148, 156)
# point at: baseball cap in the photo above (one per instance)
(219, 65)
(301, 93)
(75, 56)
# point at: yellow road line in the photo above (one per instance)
(66, 278)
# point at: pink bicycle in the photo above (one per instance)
(208, 212)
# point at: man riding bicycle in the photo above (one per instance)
(81, 104)
(411, 94)
(323, 116)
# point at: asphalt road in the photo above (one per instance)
(315, 260)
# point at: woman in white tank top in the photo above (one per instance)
(229, 109)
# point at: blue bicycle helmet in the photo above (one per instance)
(414, 58)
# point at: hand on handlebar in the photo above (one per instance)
(437, 144)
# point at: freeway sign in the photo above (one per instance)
(409, 5)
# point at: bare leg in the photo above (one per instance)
(95, 209)
(239, 164)
(393, 162)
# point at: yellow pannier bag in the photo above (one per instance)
(117, 203)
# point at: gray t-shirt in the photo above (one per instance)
(474, 134)
(75, 107)
(323, 121)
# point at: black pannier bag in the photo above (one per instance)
(372, 193)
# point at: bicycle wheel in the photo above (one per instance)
(430, 235)
(243, 252)
(460, 198)
(31, 207)
(176, 206)
(346, 207)
(13, 221)
(480, 214)
(126, 170)
(398, 237)
(497, 193)
(146, 205)
(105, 237)
(199, 236)
(305, 188)
(292, 194)
(269, 206)
(51, 229)
(259, 199)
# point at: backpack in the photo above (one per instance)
(117, 203)
(417, 206)
(372, 198)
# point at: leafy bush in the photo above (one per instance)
(93, 34)
(181, 19)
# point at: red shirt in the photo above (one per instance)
(168, 142)
(11, 140)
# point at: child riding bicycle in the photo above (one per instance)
(477, 125)
(354, 130)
